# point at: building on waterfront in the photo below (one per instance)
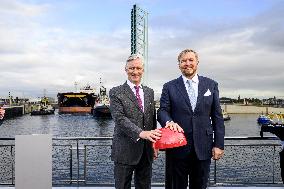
(225, 100)
(273, 102)
(21, 101)
(11, 100)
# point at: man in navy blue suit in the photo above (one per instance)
(190, 104)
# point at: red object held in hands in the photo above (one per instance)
(170, 139)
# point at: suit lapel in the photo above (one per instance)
(181, 88)
(201, 91)
(129, 93)
(146, 99)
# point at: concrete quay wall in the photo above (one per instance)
(15, 111)
(246, 109)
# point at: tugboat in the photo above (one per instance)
(226, 116)
(101, 108)
(77, 102)
(44, 108)
(271, 118)
(273, 123)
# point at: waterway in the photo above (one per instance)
(67, 125)
(99, 166)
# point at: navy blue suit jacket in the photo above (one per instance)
(199, 125)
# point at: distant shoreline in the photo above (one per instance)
(248, 109)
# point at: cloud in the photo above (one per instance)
(243, 54)
(59, 63)
(34, 57)
(16, 8)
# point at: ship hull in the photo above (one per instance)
(78, 103)
(70, 110)
(42, 112)
(102, 111)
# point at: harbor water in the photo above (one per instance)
(99, 165)
(67, 125)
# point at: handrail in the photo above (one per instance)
(79, 159)
(70, 138)
(110, 138)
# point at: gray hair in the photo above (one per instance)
(134, 57)
(187, 51)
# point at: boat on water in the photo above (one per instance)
(101, 108)
(273, 123)
(276, 118)
(263, 119)
(44, 108)
(271, 118)
(226, 116)
(80, 102)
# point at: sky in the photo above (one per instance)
(48, 45)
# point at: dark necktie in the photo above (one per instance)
(138, 97)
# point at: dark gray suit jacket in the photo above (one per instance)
(130, 120)
(198, 125)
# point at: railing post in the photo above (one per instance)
(78, 170)
(215, 172)
(12, 165)
(85, 163)
(71, 163)
(273, 167)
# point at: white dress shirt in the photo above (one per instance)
(141, 92)
(195, 82)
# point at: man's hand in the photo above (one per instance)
(152, 135)
(217, 153)
(2, 113)
(174, 126)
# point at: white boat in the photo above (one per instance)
(226, 116)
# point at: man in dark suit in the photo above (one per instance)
(282, 159)
(133, 109)
(2, 113)
(190, 104)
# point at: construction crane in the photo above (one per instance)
(139, 36)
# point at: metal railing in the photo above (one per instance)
(248, 163)
(86, 161)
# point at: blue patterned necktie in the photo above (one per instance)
(191, 94)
